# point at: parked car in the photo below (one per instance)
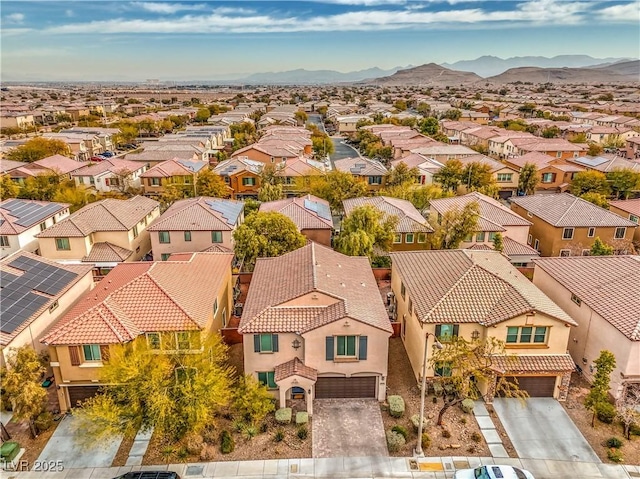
(108, 154)
(128, 146)
(149, 475)
(493, 472)
(97, 158)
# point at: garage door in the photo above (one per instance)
(536, 386)
(81, 393)
(364, 387)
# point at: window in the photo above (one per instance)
(135, 231)
(620, 233)
(548, 177)
(565, 252)
(536, 245)
(62, 244)
(224, 317)
(527, 334)
(183, 340)
(268, 379)
(248, 181)
(591, 233)
(53, 306)
(91, 352)
(410, 307)
(408, 238)
(575, 299)
(4, 241)
(154, 182)
(215, 307)
(164, 237)
(153, 339)
(375, 180)
(422, 237)
(216, 236)
(444, 332)
(633, 218)
(265, 343)
(480, 237)
(492, 236)
(403, 289)
(43, 226)
(187, 235)
(529, 239)
(567, 233)
(443, 369)
(397, 238)
(504, 177)
(346, 346)
(165, 256)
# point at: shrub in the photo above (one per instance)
(44, 421)
(208, 453)
(438, 389)
(635, 429)
(182, 454)
(302, 417)
(426, 440)
(283, 415)
(401, 430)
(415, 420)
(227, 445)
(250, 431)
(210, 435)
(237, 425)
(476, 437)
(302, 432)
(396, 406)
(446, 433)
(606, 412)
(279, 435)
(614, 442)
(264, 427)
(467, 405)
(615, 455)
(394, 441)
(193, 443)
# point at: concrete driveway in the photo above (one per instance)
(541, 429)
(348, 428)
(63, 446)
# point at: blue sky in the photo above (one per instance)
(136, 40)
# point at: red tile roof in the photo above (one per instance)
(295, 367)
(534, 363)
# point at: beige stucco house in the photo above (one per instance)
(170, 303)
(315, 326)
(602, 295)
(476, 295)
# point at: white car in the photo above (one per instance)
(493, 472)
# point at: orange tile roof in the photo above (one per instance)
(534, 363)
(295, 367)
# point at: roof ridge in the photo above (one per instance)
(450, 291)
(108, 322)
(313, 266)
(575, 200)
(166, 293)
(510, 285)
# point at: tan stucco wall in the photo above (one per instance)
(79, 249)
(200, 240)
(626, 216)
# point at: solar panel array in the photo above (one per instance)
(29, 213)
(230, 210)
(229, 170)
(357, 168)
(322, 210)
(19, 302)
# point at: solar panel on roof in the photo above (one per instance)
(229, 210)
(321, 209)
(28, 214)
(6, 278)
(18, 313)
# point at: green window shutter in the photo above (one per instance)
(262, 378)
(362, 350)
(456, 327)
(271, 380)
(256, 343)
(329, 348)
(274, 343)
(351, 345)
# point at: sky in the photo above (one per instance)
(138, 40)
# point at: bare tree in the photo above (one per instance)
(628, 409)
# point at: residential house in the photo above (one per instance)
(555, 175)
(494, 218)
(36, 292)
(242, 176)
(501, 147)
(412, 229)
(427, 167)
(156, 152)
(347, 124)
(315, 327)
(633, 147)
(82, 145)
(176, 172)
(371, 172)
(113, 174)
(104, 233)
(629, 209)
(103, 135)
(59, 165)
(555, 147)
(505, 176)
(312, 216)
(480, 295)
(170, 303)
(564, 225)
(442, 152)
(606, 163)
(271, 154)
(601, 294)
(195, 224)
(296, 171)
(610, 135)
(7, 166)
(21, 220)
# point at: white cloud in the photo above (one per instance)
(621, 13)
(233, 11)
(15, 18)
(69, 13)
(166, 8)
(36, 52)
(12, 32)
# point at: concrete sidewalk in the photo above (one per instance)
(352, 467)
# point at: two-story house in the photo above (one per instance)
(427, 167)
(177, 172)
(36, 292)
(195, 224)
(104, 233)
(412, 229)
(505, 177)
(22, 220)
(242, 176)
(629, 209)
(554, 175)
(372, 172)
(601, 294)
(113, 174)
(170, 303)
(565, 225)
(478, 295)
(315, 327)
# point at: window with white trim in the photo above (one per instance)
(527, 334)
(567, 233)
(620, 233)
(565, 252)
(91, 352)
(4, 241)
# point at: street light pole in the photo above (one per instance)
(423, 390)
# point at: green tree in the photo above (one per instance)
(600, 248)
(590, 181)
(176, 392)
(464, 360)
(252, 400)
(202, 115)
(75, 196)
(337, 186)
(455, 225)
(401, 174)
(270, 192)
(38, 148)
(453, 114)
(596, 198)
(266, 234)
(423, 108)
(21, 380)
(322, 146)
(209, 183)
(528, 179)
(128, 133)
(42, 187)
(366, 227)
(418, 196)
(450, 175)
(624, 181)
(551, 132)
(599, 393)
(477, 176)
(430, 126)
(172, 193)
(498, 243)
(250, 206)
(594, 149)
(243, 134)
(301, 117)
(400, 105)
(8, 188)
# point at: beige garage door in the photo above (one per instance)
(363, 387)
